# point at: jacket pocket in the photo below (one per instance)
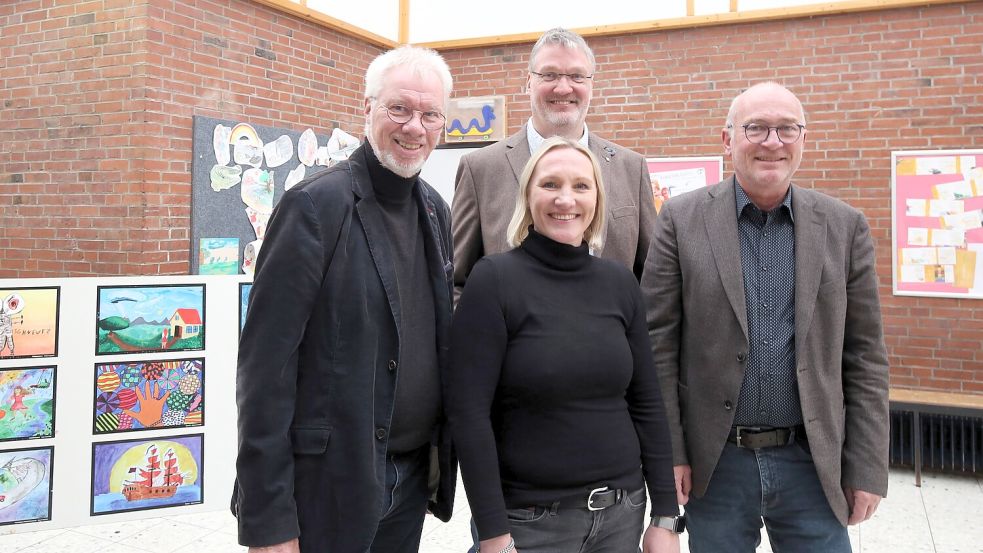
(624, 211)
(310, 441)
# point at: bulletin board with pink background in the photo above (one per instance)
(937, 211)
(672, 176)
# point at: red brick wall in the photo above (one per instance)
(871, 83)
(96, 123)
(97, 102)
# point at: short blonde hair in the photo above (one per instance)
(522, 216)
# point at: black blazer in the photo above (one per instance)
(314, 386)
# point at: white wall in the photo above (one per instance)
(376, 16)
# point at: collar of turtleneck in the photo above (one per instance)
(553, 254)
(388, 186)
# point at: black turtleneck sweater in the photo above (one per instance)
(417, 401)
(552, 389)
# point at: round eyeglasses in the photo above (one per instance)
(787, 134)
(400, 114)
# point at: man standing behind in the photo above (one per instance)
(560, 83)
(765, 325)
(340, 358)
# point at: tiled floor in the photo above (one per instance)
(945, 515)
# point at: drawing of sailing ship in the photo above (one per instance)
(17, 478)
(155, 477)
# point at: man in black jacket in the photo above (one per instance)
(340, 360)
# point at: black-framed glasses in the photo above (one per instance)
(553, 76)
(431, 120)
(787, 134)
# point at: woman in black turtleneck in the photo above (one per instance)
(553, 394)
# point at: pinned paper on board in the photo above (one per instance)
(249, 256)
(257, 189)
(956, 190)
(218, 256)
(220, 144)
(294, 177)
(963, 221)
(307, 147)
(279, 151)
(258, 221)
(341, 145)
(223, 177)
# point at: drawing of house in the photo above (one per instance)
(185, 323)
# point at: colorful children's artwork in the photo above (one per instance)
(672, 176)
(25, 485)
(27, 403)
(937, 201)
(136, 475)
(244, 289)
(218, 256)
(147, 395)
(28, 322)
(476, 119)
(141, 319)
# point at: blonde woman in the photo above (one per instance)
(553, 399)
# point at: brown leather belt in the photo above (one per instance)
(756, 437)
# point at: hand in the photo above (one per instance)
(659, 540)
(683, 475)
(292, 546)
(496, 544)
(862, 504)
(151, 408)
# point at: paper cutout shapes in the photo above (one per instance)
(279, 151)
(258, 221)
(307, 147)
(295, 176)
(249, 256)
(218, 256)
(220, 143)
(225, 176)
(257, 189)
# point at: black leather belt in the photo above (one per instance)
(597, 500)
(755, 437)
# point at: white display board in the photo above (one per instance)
(440, 170)
(76, 390)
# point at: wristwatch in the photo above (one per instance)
(675, 524)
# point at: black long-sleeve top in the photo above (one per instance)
(553, 391)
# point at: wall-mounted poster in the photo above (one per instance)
(142, 395)
(218, 256)
(142, 319)
(136, 475)
(27, 403)
(29, 322)
(672, 176)
(937, 212)
(478, 119)
(244, 289)
(25, 484)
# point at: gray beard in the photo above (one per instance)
(389, 161)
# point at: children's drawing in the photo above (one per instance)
(28, 322)
(257, 190)
(25, 485)
(244, 289)
(220, 143)
(143, 395)
(139, 319)
(307, 147)
(279, 151)
(475, 119)
(218, 256)
(222, 177)
(27, 403)
(136, 475)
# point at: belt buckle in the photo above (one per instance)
(740, 431)
(590, 499)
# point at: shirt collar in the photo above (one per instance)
(743, 201)
(536, 140)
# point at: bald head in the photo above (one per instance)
(770, 88)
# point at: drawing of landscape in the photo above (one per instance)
(138, 319)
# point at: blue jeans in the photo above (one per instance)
(776, 486)
(551, 529)
(405, 504)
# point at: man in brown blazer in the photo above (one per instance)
(560, 83)
(766, 331)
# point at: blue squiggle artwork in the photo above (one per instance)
(474, 127)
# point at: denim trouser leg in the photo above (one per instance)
(777, 487)
(617, 529)
(400, 529)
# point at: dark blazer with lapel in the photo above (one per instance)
(488, 182)
(694, 290)
(315, 384)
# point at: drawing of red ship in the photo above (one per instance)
(155, 478)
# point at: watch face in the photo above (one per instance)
(675, 524)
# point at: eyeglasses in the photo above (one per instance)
(400, 114)
(787, 134)
(551, 76)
